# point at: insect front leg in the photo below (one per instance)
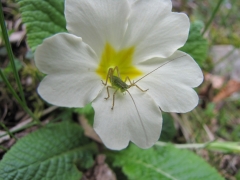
(140, 88)
(133, 84)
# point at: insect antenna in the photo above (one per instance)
(145, 132)
(158, 68)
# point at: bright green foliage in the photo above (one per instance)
(165, 163)
(55, 152)
(196, 45)
(238, 175)
(236, 133)
(43, 18)
(168, 129)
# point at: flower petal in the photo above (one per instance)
(123, 124)
(131, 1)
(171, 85)
(154, 30)
(70, 65)
(98, 22)
(65, 53)
(70, 90)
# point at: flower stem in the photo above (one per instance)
(183, 146)
(219, 146)
(18, 99)
(10, 53)
(212, 16)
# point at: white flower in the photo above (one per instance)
(137, 36)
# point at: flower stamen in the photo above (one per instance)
(122, 59)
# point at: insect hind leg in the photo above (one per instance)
(109, 74)
(114, 98)
(109, 95)
(117, 70)
(108, 91)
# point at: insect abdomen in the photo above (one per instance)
(118, 83)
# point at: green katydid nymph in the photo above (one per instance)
(118, 84)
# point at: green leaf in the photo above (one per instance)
(43, 18)
(55, 152)
(196, 45)
(165, 163)
(168, 129)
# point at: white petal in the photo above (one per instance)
(123, 124)
(154, 30)
(70, 90)
(98, 22)
(70, 65)
(131, 1)
(64, 53)
(171, 85)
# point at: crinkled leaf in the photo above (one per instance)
(43, 18)
(196, 45)
(55, 152)
(168, 129)
(165, 163)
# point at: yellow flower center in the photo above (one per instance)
(122, 59)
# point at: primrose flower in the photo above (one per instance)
(135, 37)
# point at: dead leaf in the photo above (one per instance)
(88, 130)
(17, 36)
(231, 87)
(100, 171)
(216, 81)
